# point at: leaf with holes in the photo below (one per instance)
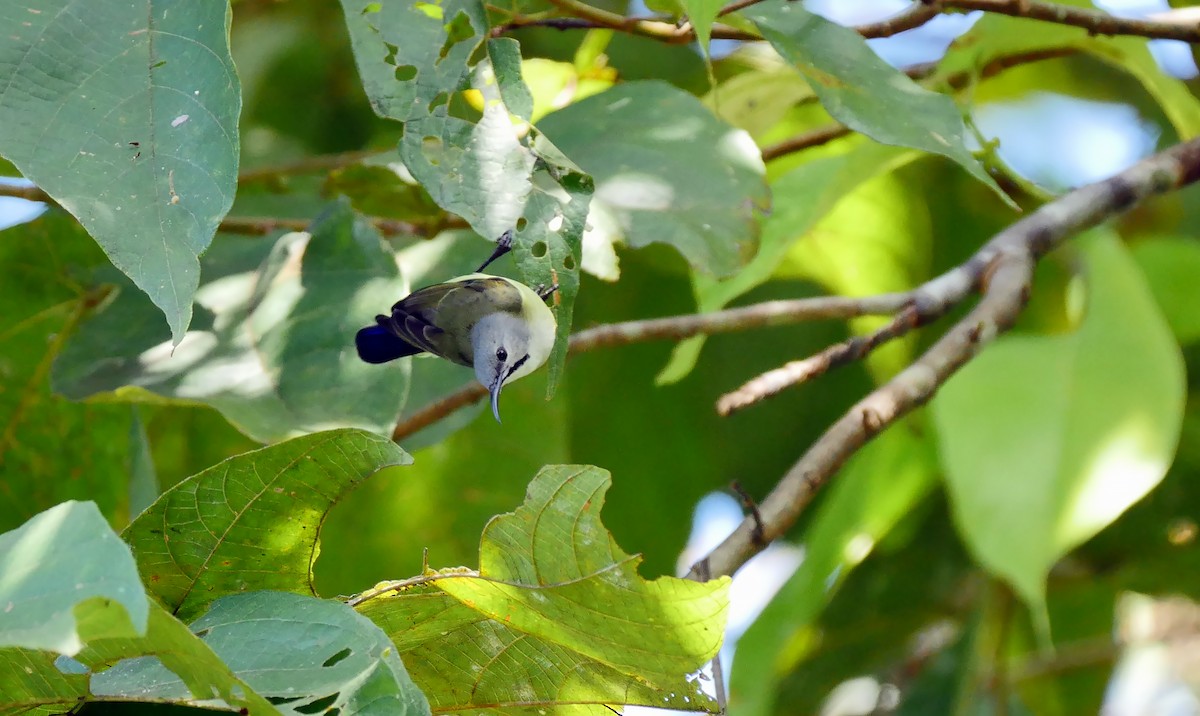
(413, 56)
(557, 614)
(30, 679)
(272, 347)
(253, 519)
(862, 91)
(126, 114)
(347, 663)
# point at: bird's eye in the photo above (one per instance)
(501, 354)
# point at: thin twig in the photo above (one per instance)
(801, 371)
(306, 165)
(255, 225)
(808, 140)
(913, 17)
(1001, 270)
(1096, 22)
(759, 315)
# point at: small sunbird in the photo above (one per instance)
(500, 327)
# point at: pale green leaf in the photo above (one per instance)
(143, 478)
(413, 55)
(702, 13)
(344, 656)
(1046, 440)
(862, 91)
(31, 680)
(66, 578)
(251, 521)
(638, 141)
(273, 344)
(126, 113)
(1171, 265)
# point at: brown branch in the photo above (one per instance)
(305, 165)
(916, 15)
(1096, 22)
(808, 140)
(801, 371)
(253, 225)
(759, 315)
(1001, 271)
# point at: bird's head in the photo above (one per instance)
(501, 343)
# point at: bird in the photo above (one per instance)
(500, 327)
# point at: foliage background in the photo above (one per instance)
(895, 584)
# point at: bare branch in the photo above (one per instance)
(760, 315)
(916, 15)
(1096, 22)
(258, 225)
(306, 165)
(808, 140)
(1001, 270)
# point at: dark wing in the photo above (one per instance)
(415, 318)
(379, 344)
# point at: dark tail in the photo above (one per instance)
(376, 344)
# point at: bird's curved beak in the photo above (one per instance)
(494, 390)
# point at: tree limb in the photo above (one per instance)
(1001, 271)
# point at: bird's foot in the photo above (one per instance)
(503, 246)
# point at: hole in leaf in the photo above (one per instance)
(442, 99)
(337, 657)
(431, 147)
(202, 633)
(406, 73)
(569, 262)
(538, 250)
(390, 57)
(521, 222)
(318, 705)
(372, 7)
(457, 30)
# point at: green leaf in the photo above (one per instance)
(557, 614)
(802, 197)
(480, 170)
(1046, 440)
(413, 56)
(51, 450)
(272, 348)
(702, 13)
(1171, 265)
(548, 247)
(126, 113)
(201, 674)
(996, 36)
(862, 91)
(505, 54)
(758, 100)
(68, 579)
(251, 521)
(638, 140)
(881, 484)
(31, 680)
(346, 663)
(143, 478)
